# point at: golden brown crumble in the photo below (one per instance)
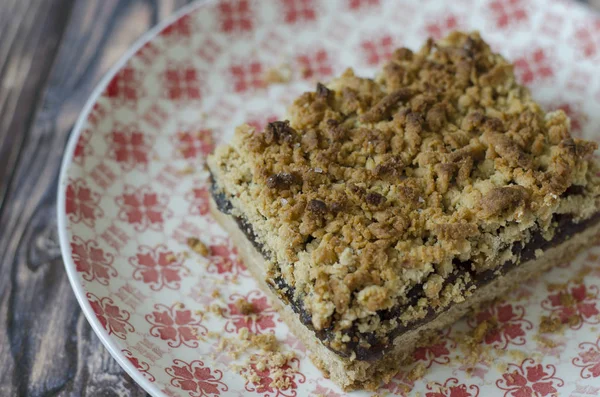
(374, 186)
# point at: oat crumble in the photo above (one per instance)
(433, 175)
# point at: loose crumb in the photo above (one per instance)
(263, 353)
(550, 325)
(472, 346)
(188, 170)
(216, 309)
(546, 342)
(556, 286)
(482, 329)
(198, 246)
(278, 75)
(244, 306)
(518, 355)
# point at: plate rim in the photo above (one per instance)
(67, 159)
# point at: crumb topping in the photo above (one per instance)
(374, 186)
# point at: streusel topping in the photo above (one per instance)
(374, 186)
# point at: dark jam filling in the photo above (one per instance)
(370, 347)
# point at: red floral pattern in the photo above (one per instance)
(159, 267)
(194, 144)
(261, 319)
(379, 50)
(477, 370)
(401, 384)
(574, 305)
(176, 325)
(452, 388)
(299, 10)
(247, 76)
(508, 325)
(223, 259)
(552, 26)
(437, 352)
(91, 261)
(143, 208)
(509, 12)
(589, 359)
(114, 319)
(125, 86)
(315, 64)
(182, 28)
(358, 4)
(236, 16)
(196, 378)
(529, 379)
(534, 67)
(209, 50)
(291, 376)
(199, 198)
(140, 365)
(97, 113)
(83, 149)
(82, 204)
(129, 147)
(182, 83)
(587, 37)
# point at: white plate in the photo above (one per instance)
(133, 189)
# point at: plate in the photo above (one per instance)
(133, 190)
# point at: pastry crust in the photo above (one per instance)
(383, 203)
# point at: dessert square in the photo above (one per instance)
(383, 209)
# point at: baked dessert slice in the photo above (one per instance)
(386, 208)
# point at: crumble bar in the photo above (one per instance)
(386, 208)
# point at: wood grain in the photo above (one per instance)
(61, 48)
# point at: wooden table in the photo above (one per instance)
(52, 54)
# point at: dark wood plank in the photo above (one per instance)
(46, 345)
(594, 4)
(30, 32)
